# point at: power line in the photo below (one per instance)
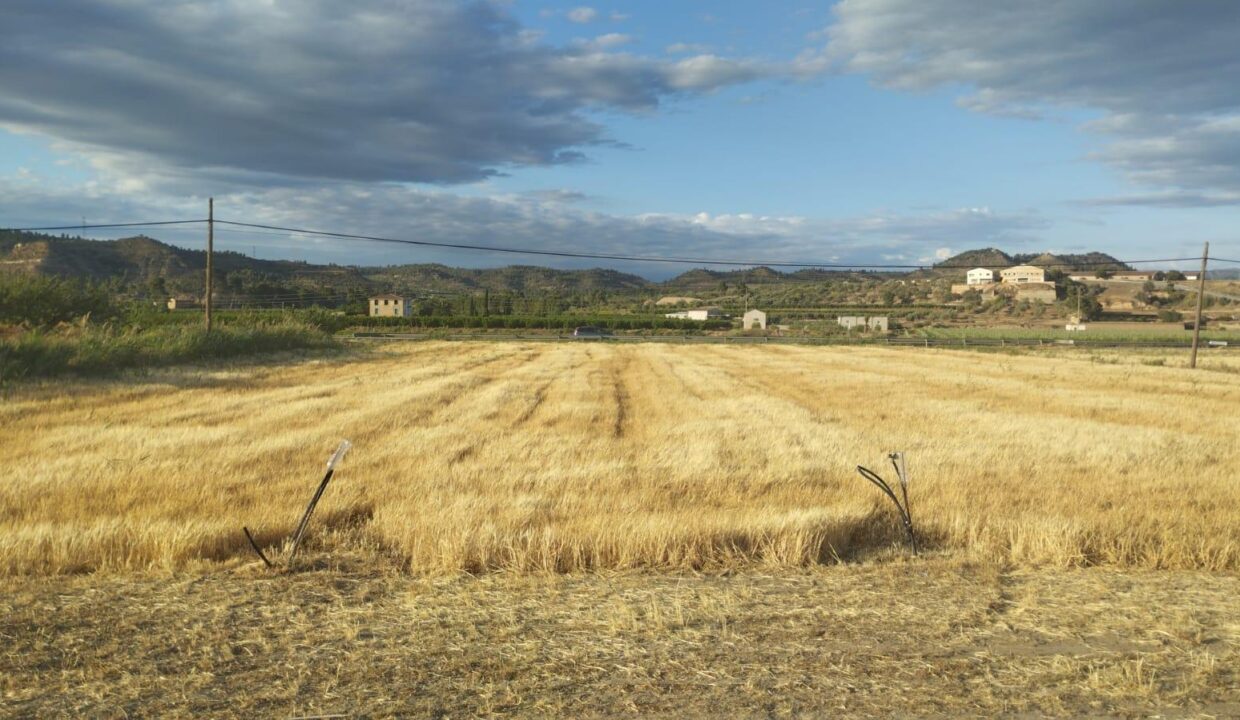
(1219, 259)
(661, 259)
(592, 256)
(80, 226)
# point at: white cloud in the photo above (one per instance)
(686, 48)
(546, 220)
(582, 14)
(247, 93)
(1162, 74)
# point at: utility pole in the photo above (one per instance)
(210, 258)
(1201, 296)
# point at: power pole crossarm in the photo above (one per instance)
(1201, 296)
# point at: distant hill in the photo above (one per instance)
(514, 278)
(145, 262)
(1081, 261)
(994, 258)
(701, 280)
(985, 258)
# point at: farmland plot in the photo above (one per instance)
(518, 457)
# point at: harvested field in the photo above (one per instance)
(928, 638)
(568, 457)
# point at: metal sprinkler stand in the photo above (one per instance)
(897, 462)
(300, 532)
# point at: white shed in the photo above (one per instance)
(753, 319)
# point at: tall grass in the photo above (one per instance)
(531, 457)
(93, 349)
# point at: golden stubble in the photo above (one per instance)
(564, 457)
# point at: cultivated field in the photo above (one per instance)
(708, 490)
(538, 457)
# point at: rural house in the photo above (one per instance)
(754, 319)
(184, 303)
(876, 322)
(980, 276)
(389, 305)
(1023, 274)
(707, 313)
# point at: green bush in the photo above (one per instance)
(104, 349)
(38, 301)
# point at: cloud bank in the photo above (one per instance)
(282, 92)
(1160, 74)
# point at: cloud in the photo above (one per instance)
(684, 48)
(545, 220)
(268, 93)
(608, 41)
(1160, 74)
(582, 14)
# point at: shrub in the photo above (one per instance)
(39, 301)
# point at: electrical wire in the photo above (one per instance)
(81, 226)
(660, 259)
(255, 227)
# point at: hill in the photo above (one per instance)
(994, 258)
(985, 257)
(703, 280)
(147, 263)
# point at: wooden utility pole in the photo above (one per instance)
(1201, 296)
(210, 259)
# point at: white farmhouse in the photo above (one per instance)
(390, 305)
(1023, 274)
(980, 276)
(700, 314)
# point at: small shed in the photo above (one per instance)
(753, 320)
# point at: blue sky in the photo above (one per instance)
(867, 131)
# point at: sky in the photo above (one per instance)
(861, 131)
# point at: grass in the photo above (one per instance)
(94, 349)
(356, 637)
(478, 457)
(1094, 331)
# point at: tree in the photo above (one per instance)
(1105, 274)
(1174, 275)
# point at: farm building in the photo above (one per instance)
(707, 313)
(980, 276)
(389, 305)
(1137, 275)
(754, 319)
(1023, 274)
(184, 303)
(876, 322)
